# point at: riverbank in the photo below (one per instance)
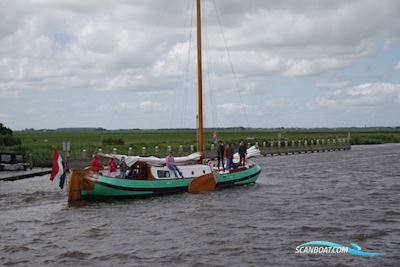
(19, 175)
(39, 144)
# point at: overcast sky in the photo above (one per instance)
(131, 64)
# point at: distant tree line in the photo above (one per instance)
(4, 130)
(113, 141)
(7, 138)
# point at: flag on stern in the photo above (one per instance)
(58, 169)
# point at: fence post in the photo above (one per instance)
(84, 154)
(30, 160)
(180, 149)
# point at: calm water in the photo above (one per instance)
(343, 197)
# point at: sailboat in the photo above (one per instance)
(153, 177)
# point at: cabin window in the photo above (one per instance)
(6, 158)
(204, 172)
(163, 174)
(19, 158)
(192, 172)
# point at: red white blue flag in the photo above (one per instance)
(58, 169)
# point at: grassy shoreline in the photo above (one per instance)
(41, 143)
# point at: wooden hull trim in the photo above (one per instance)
(160, 189)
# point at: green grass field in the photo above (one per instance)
(41, 143)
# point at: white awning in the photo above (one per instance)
(251, 152)
(130, 160)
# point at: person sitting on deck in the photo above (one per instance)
(96, 166)
(131, 173)
(122, 168)
(170, 162)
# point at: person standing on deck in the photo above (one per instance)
(242, 153)
(231, 153)
(112, 168)
(229, 156)
(122, 168)
(170, 162)
(96, 166)
(221, 154)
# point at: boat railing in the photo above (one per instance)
(267, 148)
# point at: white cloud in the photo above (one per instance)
(140, 48)
(332, 84)
(322, 102)
(359, 96)
(232, 108)
(174, 63)
(153, 107)
(78, 42)
(307, 39)
(126, 80)
(371, 94)
(397, 67)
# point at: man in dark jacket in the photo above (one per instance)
(242, 153)
(220, 154)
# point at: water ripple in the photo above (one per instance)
(343, 197)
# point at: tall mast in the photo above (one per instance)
(200, 134)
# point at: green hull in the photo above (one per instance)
(113, 187)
